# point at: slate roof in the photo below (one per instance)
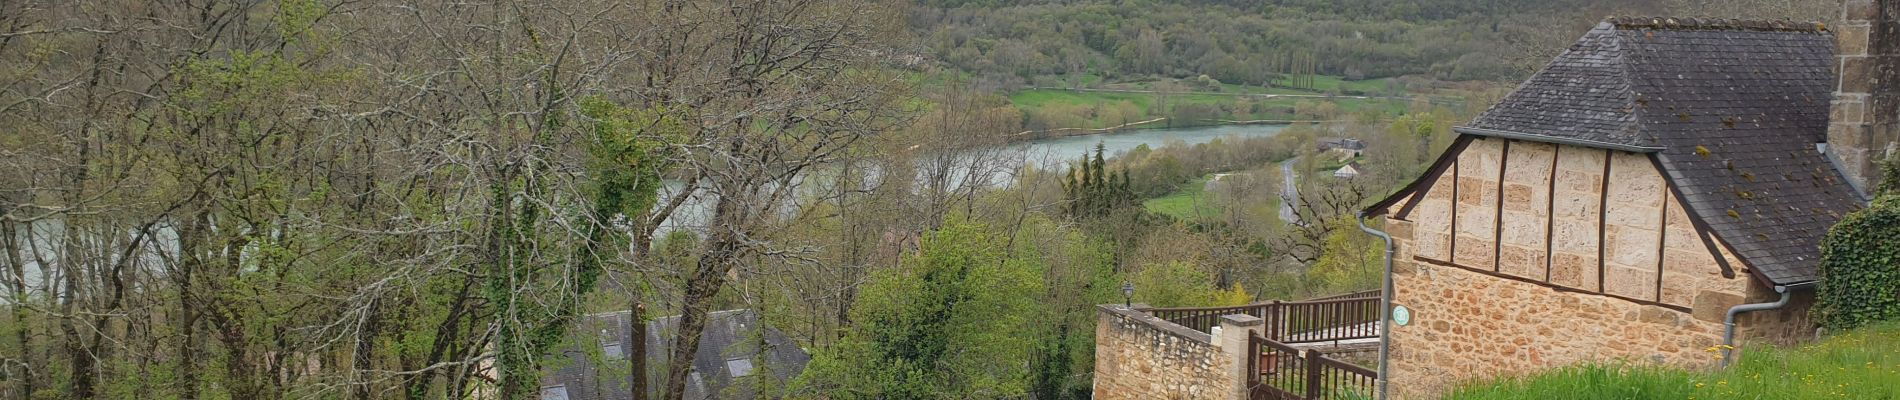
(735, 354)
(1731, 110)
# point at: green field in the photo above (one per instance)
(1186, 204)
(1863, 364)
(1034, 100)
(1192, 203)
(1328, 83)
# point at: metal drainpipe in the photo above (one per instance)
(1385, 309)
(1728, 323)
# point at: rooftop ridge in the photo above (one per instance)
(1679, 23)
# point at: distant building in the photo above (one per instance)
(1343, 149)
(1329, 143)
(737, 356)
(1348, 171)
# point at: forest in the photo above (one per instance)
(372, 199)
(1049, 43)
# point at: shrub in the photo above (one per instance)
(1860, 268)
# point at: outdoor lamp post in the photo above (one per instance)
(1128, 294)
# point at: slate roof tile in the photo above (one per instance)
(588, 373)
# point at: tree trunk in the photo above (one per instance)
(365, 347)
(191, 261)
(18, 284)
(711, 272)
(637, 349)
(82, 368)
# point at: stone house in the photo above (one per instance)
(1654, 178)
(1329, 143)
(1347, 171)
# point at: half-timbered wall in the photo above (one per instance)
(1525, 255)
(1545, 213)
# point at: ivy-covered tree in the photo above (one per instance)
(1860, 265)
(625, 148)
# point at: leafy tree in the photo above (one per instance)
(954, 321)
(1233, 296)
(1078, 274)
(625, 148)
(1348, 260)
(1179, 284)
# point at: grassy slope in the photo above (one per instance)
(1192, 202)
(1186, 204)
(1864, 364)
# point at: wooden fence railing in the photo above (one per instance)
(1369, 294)
(1281, 372)
(1323, 320)
(1341, 317)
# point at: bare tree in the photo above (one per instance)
(1320, 206)
(774, 89)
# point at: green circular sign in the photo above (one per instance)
(1401, 315)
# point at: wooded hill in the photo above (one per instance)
(1075, 43)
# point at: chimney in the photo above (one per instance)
(1864, 123)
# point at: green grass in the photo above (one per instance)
(1192, 203)
(1863, 364)
(1093, 109)
(1187, 204)
(1250, 89)
(1327, 83)
(1035, 99)
(1044, 97)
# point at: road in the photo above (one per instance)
(1289, 193)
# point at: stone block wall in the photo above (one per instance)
(1593, 259)
(1524, 249)
(1138, 356)
(1468, 326)
(1573, 234)
(1474, 223)
(1859, 132)
(1633, 228)
(1782, 328)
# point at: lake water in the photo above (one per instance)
(1051, 153)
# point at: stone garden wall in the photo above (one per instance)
(1138, 356)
